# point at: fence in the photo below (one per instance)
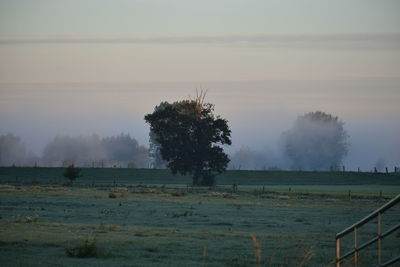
(378, 238)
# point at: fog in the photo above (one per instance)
(114, 151)
(13, 151)
(258, 113)
(252, 159)
(87, 151)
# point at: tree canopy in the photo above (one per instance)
(317, 141)
(190, 136)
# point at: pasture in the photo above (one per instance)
(130, 217)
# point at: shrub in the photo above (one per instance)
(86, 250)
(112, 195)
(178, 193)
(71, 172)
(152, 249)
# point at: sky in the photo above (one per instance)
(79, 67)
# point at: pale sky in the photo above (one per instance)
(182, 17)
(213, 40)
(78, 67)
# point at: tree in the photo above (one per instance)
(317, 141)
(190, 135)
(72, 172)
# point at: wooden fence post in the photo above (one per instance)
(337, 252)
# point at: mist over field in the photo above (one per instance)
(79, 68)
(258, 113)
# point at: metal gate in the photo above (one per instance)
(377, 239)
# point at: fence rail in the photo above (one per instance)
(378, 238)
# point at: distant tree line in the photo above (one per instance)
(14, 152)
(316, 141)
(87, 151)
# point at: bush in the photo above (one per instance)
(112, 195)
(178, 193)
(86, 250)
(72, 173)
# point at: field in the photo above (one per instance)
(129, 217)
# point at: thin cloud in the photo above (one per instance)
(327, 41)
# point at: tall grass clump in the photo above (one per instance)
(178, 193)
(112, 195)
(88, 249)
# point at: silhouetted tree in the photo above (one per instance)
(317, 141)
(189, 134)
(72, 172)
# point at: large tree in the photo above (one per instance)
(317, 141)
(190, 136)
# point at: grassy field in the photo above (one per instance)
(163, 176)
(144, 220)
